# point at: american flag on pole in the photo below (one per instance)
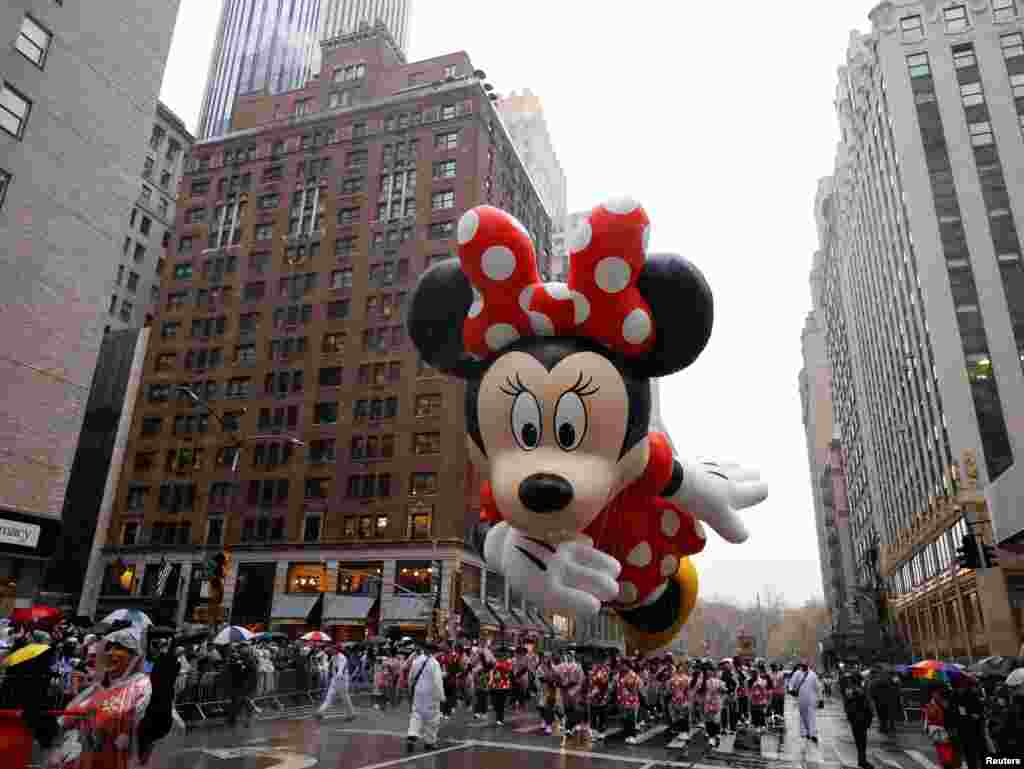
(162, 577)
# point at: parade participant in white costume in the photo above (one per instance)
(804, 685)
(426, 683)
(339, 688)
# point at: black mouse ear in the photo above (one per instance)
(439, 306)
(681, 301)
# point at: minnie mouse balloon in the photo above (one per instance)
(582, 504)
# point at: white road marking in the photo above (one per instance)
(921, 759)
(877, 755)
(650, 734)
(378, 732)
(418, 756)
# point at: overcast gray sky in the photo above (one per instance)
(719, 118)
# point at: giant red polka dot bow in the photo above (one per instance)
(601, 300)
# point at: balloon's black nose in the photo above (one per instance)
(545, 493)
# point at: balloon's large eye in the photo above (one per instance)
(526, 424)
(570, 421)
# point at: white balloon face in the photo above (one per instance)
(553, 440)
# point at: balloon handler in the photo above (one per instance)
(581, 505)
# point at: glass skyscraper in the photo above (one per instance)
(274, 45)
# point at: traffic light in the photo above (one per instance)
(989, 558)
(967, 553)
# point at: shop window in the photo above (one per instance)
(305, 578)
(413, 577)
(360, 579)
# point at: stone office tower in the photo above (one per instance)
(78, 91)
(923, 290)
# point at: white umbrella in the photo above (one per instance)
(132, 616)
(232, 635)
(1016, 678)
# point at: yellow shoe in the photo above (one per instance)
(653, 627)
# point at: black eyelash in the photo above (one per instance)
(580, 388)
(515, 387)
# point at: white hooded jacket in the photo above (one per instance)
(429, 692)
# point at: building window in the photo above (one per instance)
(956, 18)
(303, 107)
(338, 310)
(215, 531)
(912, 28)
(152, 425)
(448, 112)
(423, 484)
(311, 528)
(14, 110)
(981, 133)
(963, 56)
(419, 522)
(359, 578)
(140, 253)
(445, 169)
(441, 230)
(971, 94)
(322, 451)
(424, 444)
(919, 67)
(414, 577)
(126, 311)
(33, 41)
(1012, 45)
(1004, 10)
(369, 486)
(446, 141)
(5, 182)
(443, 200)
(183, 271)
(264, 231)
(316, 488)
(451, 70)
(428, 405)
(325, 414)
(356, 159)
(330, 377)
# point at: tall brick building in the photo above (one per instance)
(299, 237)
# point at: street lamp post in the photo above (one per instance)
(216, 607)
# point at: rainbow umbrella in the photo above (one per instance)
(933, 670)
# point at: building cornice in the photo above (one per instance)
(165, 113)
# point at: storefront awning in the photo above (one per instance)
(406, 609)
(480, 611)
(345, 609)
(293, 605)
(538, 618)
(508, 622)
(529, 624)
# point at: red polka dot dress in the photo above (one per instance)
(645, 532)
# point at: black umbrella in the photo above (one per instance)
(161, 631)
(995, 666)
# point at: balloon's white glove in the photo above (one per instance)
(713, 492)
(573, 577)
